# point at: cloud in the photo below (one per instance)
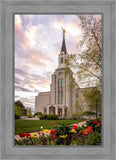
(33, 83)
(18, 22)
(17, 80)
(27, 42)
(38, 40)
(71, 26)
(26, 101)
(18, 88)
(20, 71)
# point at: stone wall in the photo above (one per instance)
(42, 100)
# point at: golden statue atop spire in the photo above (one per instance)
(63, 30)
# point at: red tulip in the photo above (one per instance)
(27, 134)
(95, 122)
(22, 134)
(39, 132)
(83, 133)
(89, 127)
(52, 132)
(53, 136)
(75, 126)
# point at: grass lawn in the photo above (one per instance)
(27, 126)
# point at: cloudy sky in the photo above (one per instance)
(38, 40)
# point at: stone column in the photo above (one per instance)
(42, 110)
(47, 110)
(63, 111)
(56, 110)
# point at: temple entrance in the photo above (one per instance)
(59, 111)
(52, 110)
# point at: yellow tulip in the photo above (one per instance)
(63, 136)
(46, 130)
(73, 131)
(33, 135)
(97, 125)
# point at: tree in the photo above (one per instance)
(29, 113)
(18, 111)
(88, 64)
(19, 104)
(21, 107)
(92, 96)
(78, 110)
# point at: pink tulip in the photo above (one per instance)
(52, 122)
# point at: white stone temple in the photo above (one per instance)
(64, 91)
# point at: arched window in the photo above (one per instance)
(52, 110)
(61, 53)
(61, 60)
(60, 73)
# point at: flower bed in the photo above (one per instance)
(88, 134)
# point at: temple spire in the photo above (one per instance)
(63, 53)
(63, 49)
(63, 30)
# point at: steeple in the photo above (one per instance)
(63, 49)
(63, 53)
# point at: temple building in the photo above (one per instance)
(64, 91)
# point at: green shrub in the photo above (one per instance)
(48, 117)
(17, 116)
(28, 141)
(76, 116)
(63, 130)
(89, 123)
(89, 113)
(37, 114)
(30, 116)
(77, 142)
(93, 139)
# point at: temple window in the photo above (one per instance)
(60, 91)
(45, 111)
(61, 60)
(60, 73)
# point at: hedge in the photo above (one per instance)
(48, 117)
(37, 114)
(89, 113)
(17, 117)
